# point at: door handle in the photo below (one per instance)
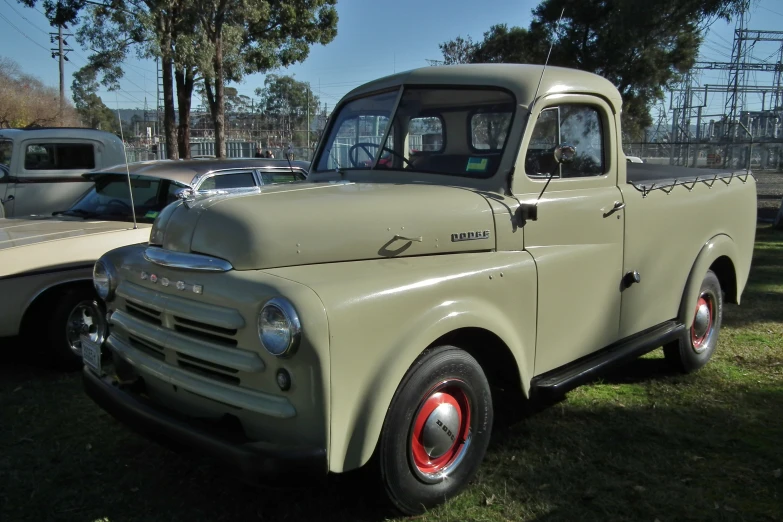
(618, 205)
(9, 198)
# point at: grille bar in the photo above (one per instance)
(251, 400)
(230, 357)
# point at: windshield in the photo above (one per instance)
(6, 147)
(110, 199)
(454, 131)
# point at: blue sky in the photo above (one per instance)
(374, 39)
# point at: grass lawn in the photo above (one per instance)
(641, 444)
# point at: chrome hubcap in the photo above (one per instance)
(702, 320)
(440, 430)
(85, 319)
(701, 330)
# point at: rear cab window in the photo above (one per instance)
(59, 156)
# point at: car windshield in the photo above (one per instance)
(455, 131)
(110, 198)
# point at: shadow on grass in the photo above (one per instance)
(694, 460)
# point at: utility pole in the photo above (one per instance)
(61, 53)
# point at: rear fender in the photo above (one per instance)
(718, 246)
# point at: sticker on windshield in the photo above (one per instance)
(151, 214)
(477, 165)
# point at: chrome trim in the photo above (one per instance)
(250, 400)
(235, 358)
(295, 325)
(186, 261)
(174, 305)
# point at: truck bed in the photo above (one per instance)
(645, 177)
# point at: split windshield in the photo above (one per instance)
(454, 131)
(110, 199)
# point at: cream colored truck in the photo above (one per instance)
(376, 313)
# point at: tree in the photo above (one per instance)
(641, 47)
(289, 104)
(93, 112)
(247, 37)
(26, 102)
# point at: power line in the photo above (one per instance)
(23, 17)
(22, 32)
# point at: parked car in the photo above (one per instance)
(46, 261)
(634, 159)
(45, 166)
(378, 315)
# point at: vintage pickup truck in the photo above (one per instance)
(375, 315)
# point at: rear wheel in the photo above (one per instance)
(695, 346)
(436, 431)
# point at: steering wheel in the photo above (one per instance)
(119, 202)
(364, 145)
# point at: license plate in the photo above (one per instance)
(91, 353)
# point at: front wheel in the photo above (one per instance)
(77, 312)
(436, 431)
(695, 346)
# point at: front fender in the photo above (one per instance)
(383, 314)
(718, 246)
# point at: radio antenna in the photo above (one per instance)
(125, 155)
(551, 45)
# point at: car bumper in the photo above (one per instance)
(256, 462)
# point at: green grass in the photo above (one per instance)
(639, 444)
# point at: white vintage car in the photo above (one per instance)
(46, 262)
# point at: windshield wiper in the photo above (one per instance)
(76, 212)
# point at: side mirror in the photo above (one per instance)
(184, 193)
(565, 153)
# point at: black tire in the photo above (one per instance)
(693, 349)
(57, 344)
(413, 489)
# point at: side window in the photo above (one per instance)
(228, 181)
(59, 156)
(570, 124)
(425, 134)
(270, 178)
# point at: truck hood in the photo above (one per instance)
(23, 232)
(309, 223)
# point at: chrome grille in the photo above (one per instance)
(192, 335)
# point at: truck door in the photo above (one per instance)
(577, 239)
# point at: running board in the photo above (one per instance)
(560, 380)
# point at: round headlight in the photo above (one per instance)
(279, 328)
(104, 280)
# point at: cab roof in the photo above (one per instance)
(521, 79)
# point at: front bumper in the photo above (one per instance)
(257, 462)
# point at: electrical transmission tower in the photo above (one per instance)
(728, 139)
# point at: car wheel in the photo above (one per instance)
(695, 346)
(436, 431)
(77, 311)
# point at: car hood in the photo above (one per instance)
(309, 223)
(23, 232)
(42, 245)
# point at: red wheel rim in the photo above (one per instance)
(702, 321)
(453, 396)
